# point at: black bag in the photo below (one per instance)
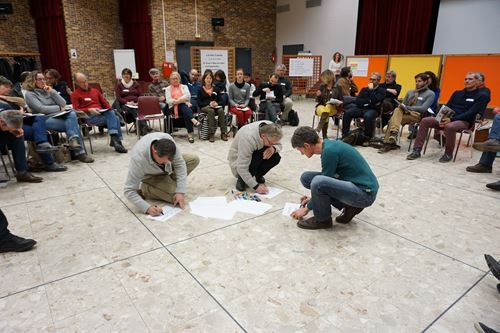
(355, 137)
(293, 118)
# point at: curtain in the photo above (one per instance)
(51, 36)
(396, 26)
(136, 23)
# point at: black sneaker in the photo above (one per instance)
(312, 223)
(493, 265)
(414, 155)
(445, 158)
(494, 186)
(240, 184)
(55, 167)
(14, 243)
(260, 179)
(348, 214)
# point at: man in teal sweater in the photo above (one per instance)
(345, 181)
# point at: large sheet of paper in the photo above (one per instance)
(168, 213)
(290, 208)
(272, 192)
(212, 207)
(250, 206)
(359, 66)
(214, 60)
(301, 67)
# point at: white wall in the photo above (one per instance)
(466, 26)
(323, 30)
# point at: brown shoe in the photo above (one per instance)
(211, 137)
(312, 223)
(74, 144)
(348, 214)
(490, 145)
(84, 158)
(27, 177)
(223, 136)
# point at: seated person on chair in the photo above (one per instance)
(127, 92)
(392, 91)
(239, 97)
(33, 129)
(345, 181)
(11, 135)
(91, 102)
(220, 81)
(490, 149)
(466, 104)
(17, 89)
(43, 99)
(433, 85)
(346, 86)
(194, 86)
(254, 151)
(366, 106)
(411, 110)
(286, 87)
(177, 97)
(271, 96)
(53, 79)
(157, 87)
(208, 101)
(248, 79)
(324, 107)
(158, 171)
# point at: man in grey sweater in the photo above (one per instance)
(254, 151)
(158, 171)
(415, 104)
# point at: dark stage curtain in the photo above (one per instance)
(396, 26)
(136, 23)
(51, 36)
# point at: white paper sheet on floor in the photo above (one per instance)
(273, 191)
(168, 212)
(290, 208)
(250, 206)
(212, 207)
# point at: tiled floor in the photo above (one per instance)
(412, 261)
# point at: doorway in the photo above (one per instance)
(183, 52)
(244, 59)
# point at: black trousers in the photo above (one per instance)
(259, 166)
(3, 226)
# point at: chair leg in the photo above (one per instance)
(137, 128)
(427, 140)
(314, 119)
(400, 133)
(458, 146)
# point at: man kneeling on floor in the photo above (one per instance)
(345, 181)
(255, 151)
(158, 171)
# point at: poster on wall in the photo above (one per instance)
(214, 60)
(359, 66)
(124, 58)
(301, 67)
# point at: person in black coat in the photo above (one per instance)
(271, 97)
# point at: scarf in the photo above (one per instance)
(176, 93)
(14, 100)
(239, 85)
(127, 85)
(413, 100)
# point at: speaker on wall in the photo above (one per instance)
(217, 22)
(5, 8)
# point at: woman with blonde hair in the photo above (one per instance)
(177, 97)
(325, 109)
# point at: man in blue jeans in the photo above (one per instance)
(490, 148)
(345, 181)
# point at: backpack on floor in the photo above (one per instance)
(355, 137)
(293, 118)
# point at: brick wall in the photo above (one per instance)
(94, 30)
(17, 37)
(249, 24)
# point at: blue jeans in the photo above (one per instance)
(186, 113)
(18, 150)
(369, 116)
(108, 119)
(327, 191)
(37, 132)
(69, 125)
(487, 158)
(271, 110)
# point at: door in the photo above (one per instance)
(244, 59)
(183, 55)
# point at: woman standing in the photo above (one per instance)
(239, 97)
(324, 109)
(208, 101)
(176, 96)
(336, 64)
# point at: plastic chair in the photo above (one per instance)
(149, 109)
(470, 131)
